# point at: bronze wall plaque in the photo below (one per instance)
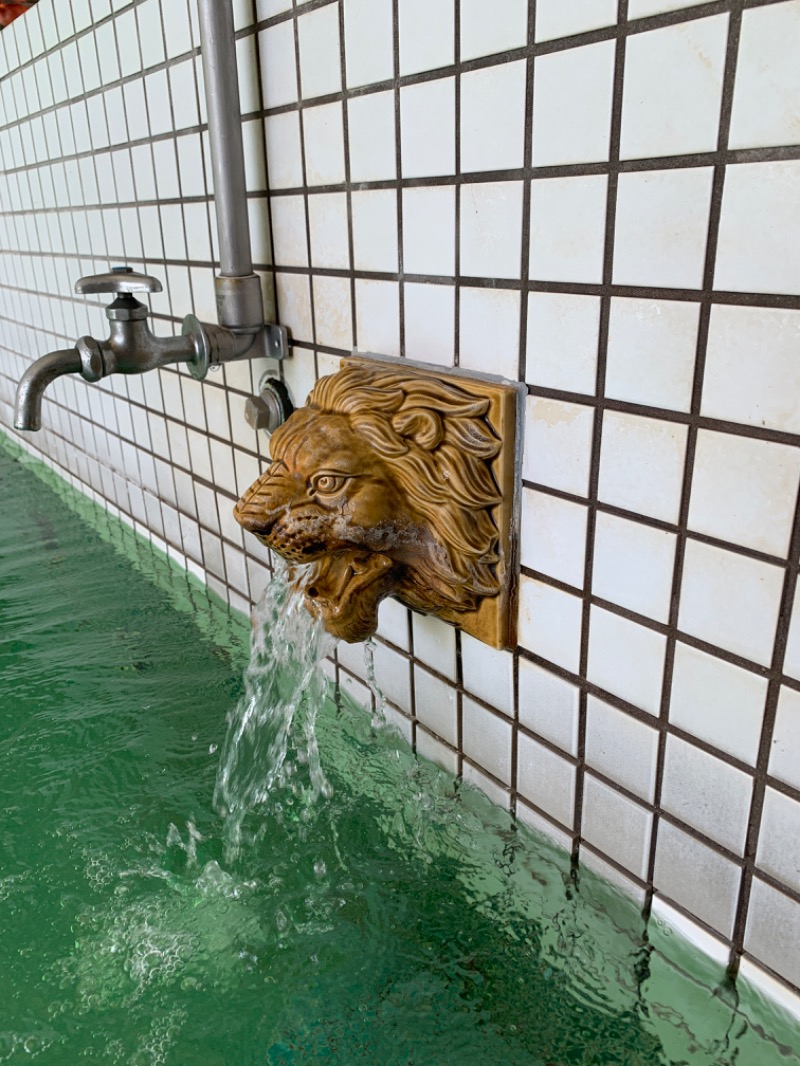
(398, 480)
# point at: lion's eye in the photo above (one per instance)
(329, 484)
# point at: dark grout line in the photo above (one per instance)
(597, 428)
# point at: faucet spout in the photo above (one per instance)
(28, 409)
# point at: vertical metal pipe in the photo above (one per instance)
(225, 135)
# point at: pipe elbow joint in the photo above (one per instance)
(32, 385)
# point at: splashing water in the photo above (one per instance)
(271, 742)
(378, 698)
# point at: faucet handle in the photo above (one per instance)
(118, 280)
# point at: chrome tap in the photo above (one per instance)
(131, 348)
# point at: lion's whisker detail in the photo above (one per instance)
(394, 480)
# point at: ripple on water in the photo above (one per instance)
(377, 912)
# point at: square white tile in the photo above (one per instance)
(611, 875)
(572, 105)
(487, 740)
(198, 235)
(548, 705)
(616, 825)
(294, 299)
(673, 88)
(184, 95)
(553, 539)
(773, 930)
(430, 748)
(165, 163)
(621, 747)
(393, 622)
(378, 316)
(284, 161)
(327, 223)
(730, 601)
(427, 35)
(278, 70)
(435, 644)
(190, 166)
(489, 29)
(706, 793)
(783, 761)
(324, 143)
(759, 230)
(651, 352)
(489, 331)
(493, 117)
(752, 374)
(427, 128)
(177, 29)
(717, 702)
(375, 230)
(392, 672)
(563, 18)
(488, 673)
(289, 234)
(332, 312)
(320, 65)
(661, 227)
(430, 323)
(766, 98)
(744, 491)
(558, 444)
(698, 879)
(778, 852)
(641, 8)
(268, 8)
(300, 377)
(568, 228)
(491, 229)
(368, 40)
(550, 623)
(429, 230)
(436, 705)
(626, 659)
(563, 330)
(546, 780)
(370, 130)
(527, 816)
(498, 794)
(641, 464)
(633, 566)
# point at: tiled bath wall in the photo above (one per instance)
(600, 198)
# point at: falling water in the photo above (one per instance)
(378, 698)
(271, 741)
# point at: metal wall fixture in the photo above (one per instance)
(242, 333)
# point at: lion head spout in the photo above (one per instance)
(384, 483)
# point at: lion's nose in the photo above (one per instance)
(262, 504)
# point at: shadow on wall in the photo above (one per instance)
(9, 12)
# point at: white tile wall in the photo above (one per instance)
(530, 190)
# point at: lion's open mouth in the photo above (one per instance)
(346, 589)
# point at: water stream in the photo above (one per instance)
(271, 743)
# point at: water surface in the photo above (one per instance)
(392, 918)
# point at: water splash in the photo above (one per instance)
(378, 698)
(271, 740)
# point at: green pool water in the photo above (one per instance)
(402, 921)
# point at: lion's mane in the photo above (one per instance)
(439, 445)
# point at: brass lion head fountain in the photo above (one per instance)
(396, 481)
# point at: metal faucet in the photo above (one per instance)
(131, 348)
